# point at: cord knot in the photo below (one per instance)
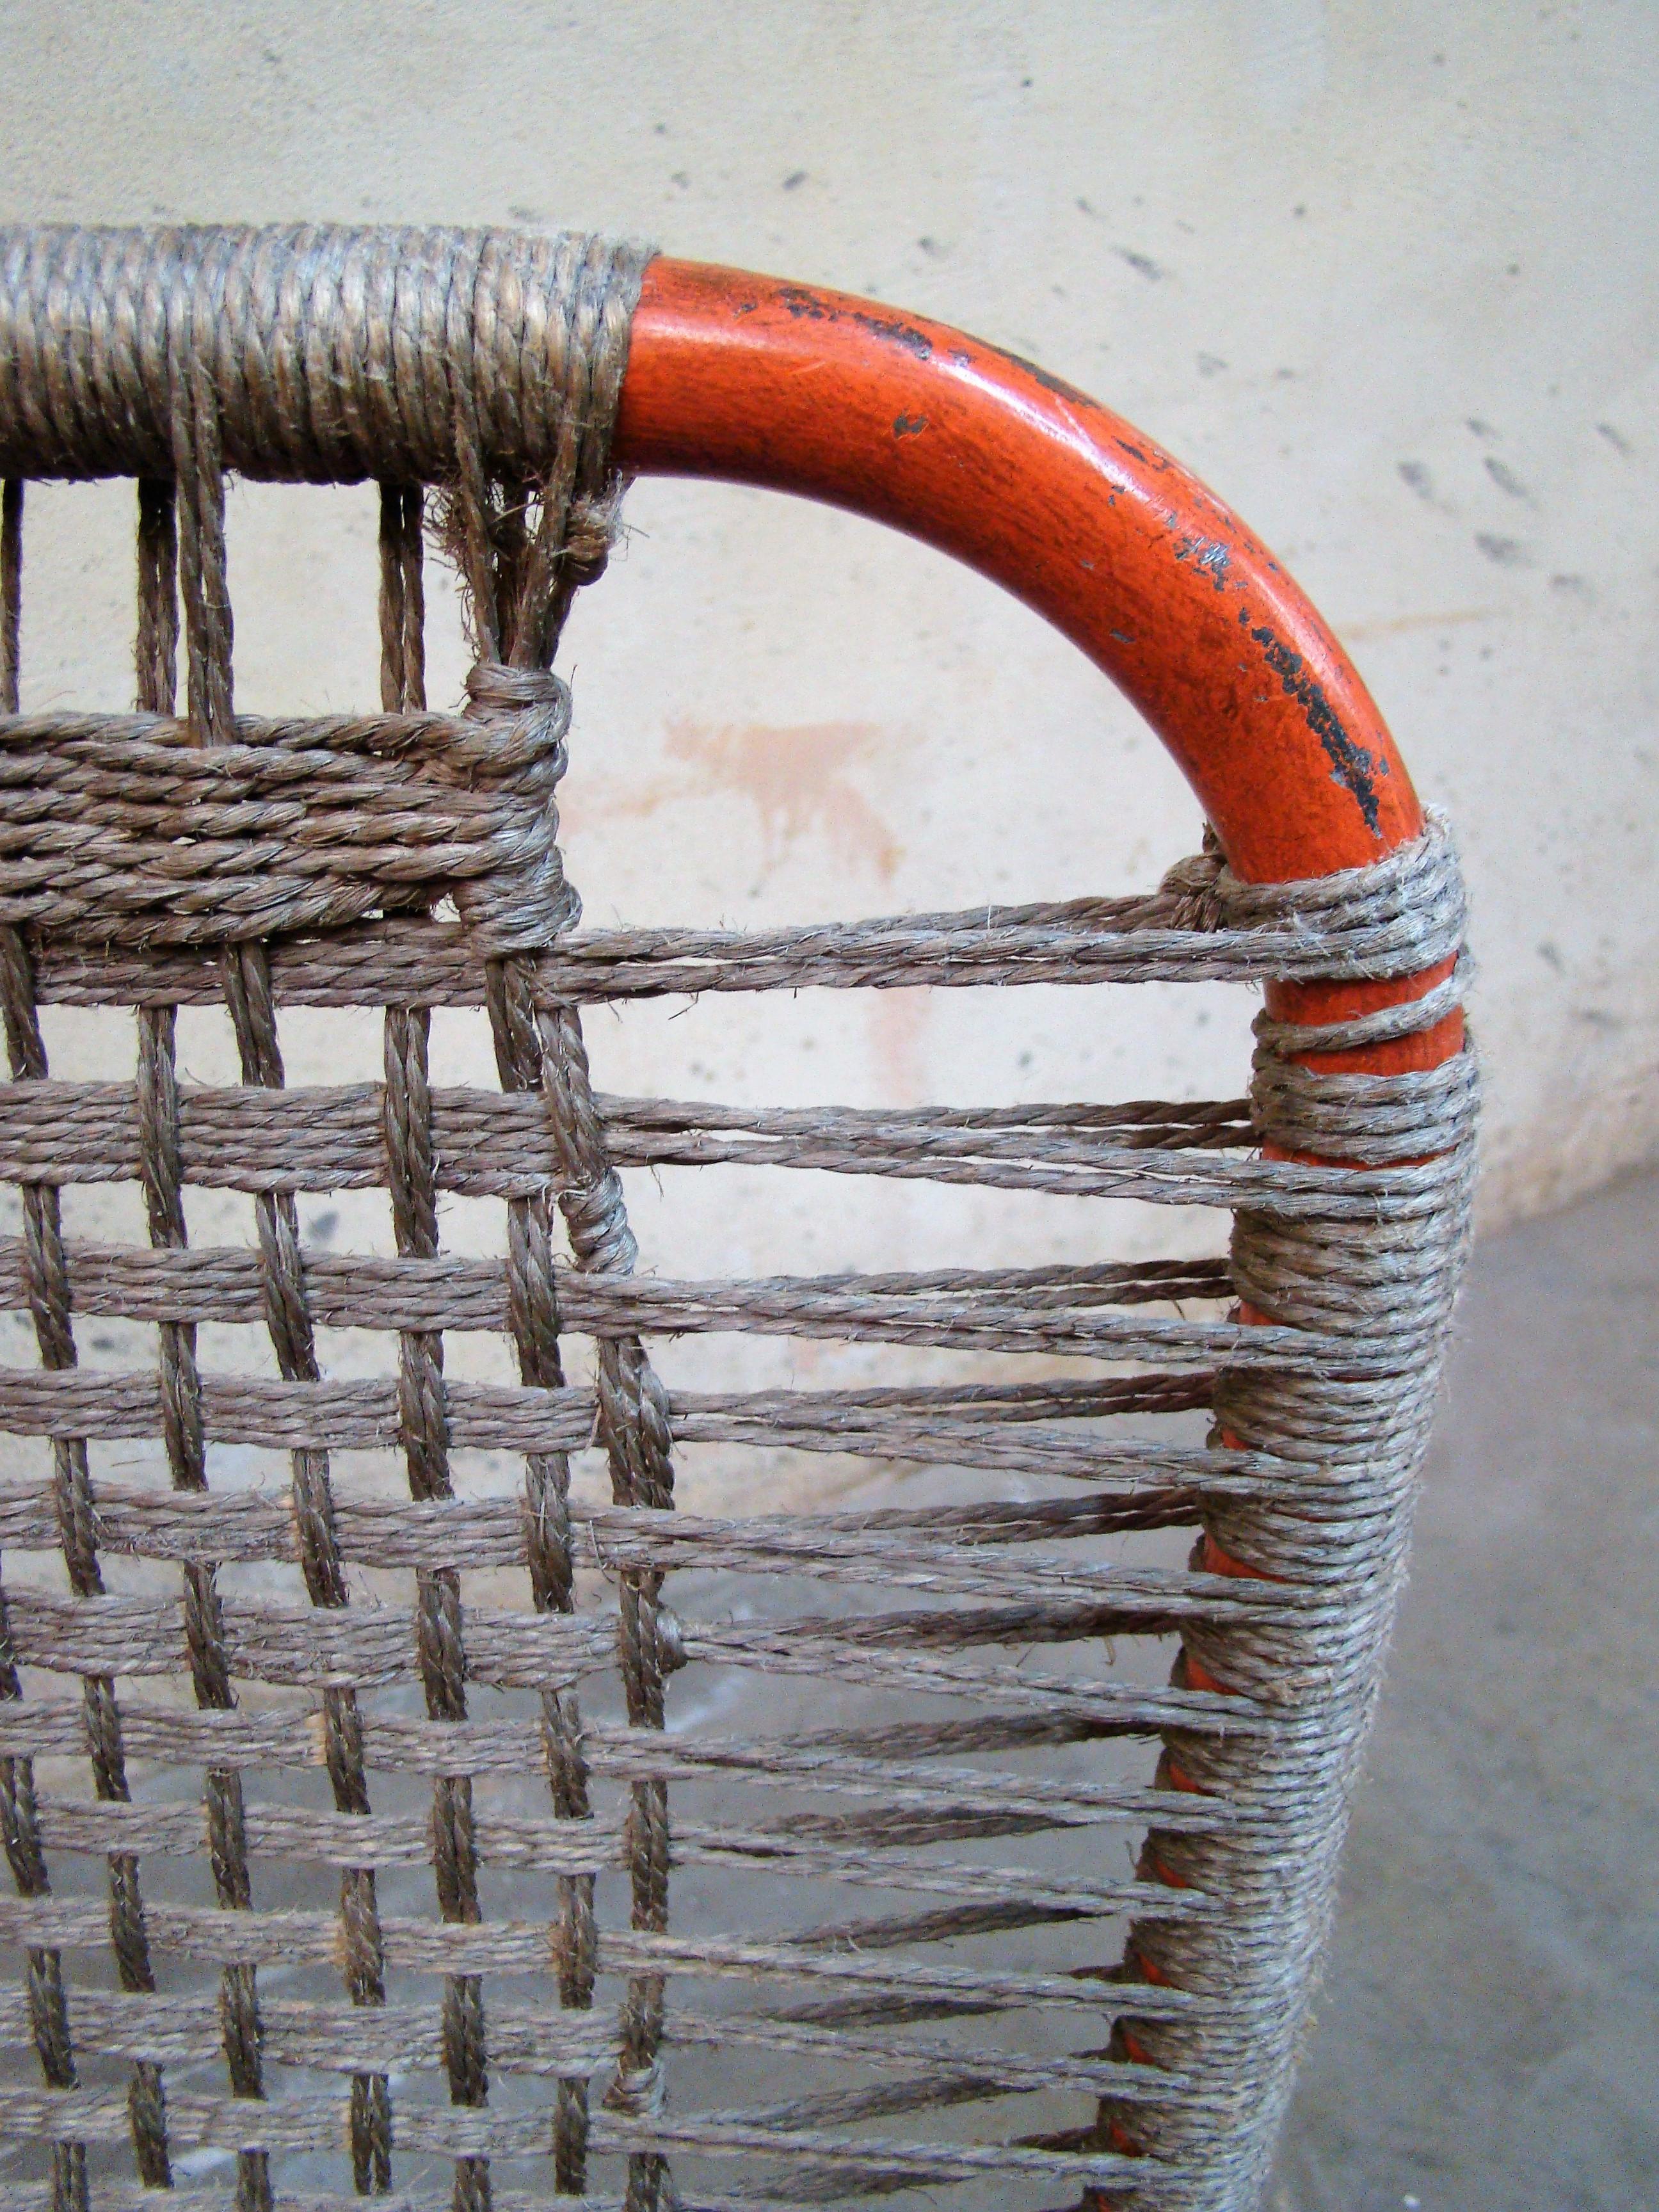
(513, 737)
(493, 688)
(1194, 885)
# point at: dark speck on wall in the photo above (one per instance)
(1506, 478)
(1142, 264)
(795, 179)
(1507, 552)
(1616, 439)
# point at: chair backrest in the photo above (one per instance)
(408, 1720)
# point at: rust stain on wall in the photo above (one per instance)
(897, 1027)
(801, 778)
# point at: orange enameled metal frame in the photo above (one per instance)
(756, 381)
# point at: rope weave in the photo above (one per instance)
(520, 2038)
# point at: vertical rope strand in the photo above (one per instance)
(534, 1321)
(155, 649)
(49, 1300)
(403, 599)
(412, 1174)
(198, 562)
(287, 1321)
(11, 592)
(633, 1427)
(19, 1830)
(521, 581)
(198, 475)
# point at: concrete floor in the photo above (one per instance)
(1488, 2035)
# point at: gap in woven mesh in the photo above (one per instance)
(858, 1913)
(473, 1228)
(832, 1923)
(307, 641)
(779, 761)
(914, 1047)
(810, 1616)
(77, 619)
(90, 1044)
(104, 1213)
(730, 1221)
(218, 1220)
(204, 1048)
(344, 1221)
(324, 1047)
(461, 1050)
(716, 2066)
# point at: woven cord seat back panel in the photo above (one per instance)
(401, 1791)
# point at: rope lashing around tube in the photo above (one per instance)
(326, 355)
(404, 861)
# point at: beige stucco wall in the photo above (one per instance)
(1383, 273)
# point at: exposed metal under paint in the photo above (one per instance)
(1352, 765)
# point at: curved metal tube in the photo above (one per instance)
(756, 381)
(1062, 503)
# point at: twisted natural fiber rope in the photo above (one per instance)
(409, 860)
(324, 354)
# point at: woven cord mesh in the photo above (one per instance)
(1123, 2040)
